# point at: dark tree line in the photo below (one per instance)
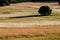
(44, 0)
(7, 2)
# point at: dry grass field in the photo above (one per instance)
(31, 33)
(28, 13)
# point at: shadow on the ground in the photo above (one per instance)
(26, 16)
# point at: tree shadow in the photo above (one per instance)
(25, 16)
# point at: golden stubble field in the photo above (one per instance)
(27, 13)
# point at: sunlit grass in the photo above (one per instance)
(53, 17)
(27, 37)
(31, 11)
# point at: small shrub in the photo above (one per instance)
(45, 10)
